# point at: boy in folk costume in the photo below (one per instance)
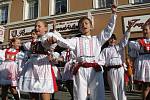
(88, 77)
(112, 56)
(9, 69)
(142, 63)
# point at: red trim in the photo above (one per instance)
(91, 47)
(81, 46)
(54, 80)
(7, 52)
(96, 66)
(68, 55)
(144, 44)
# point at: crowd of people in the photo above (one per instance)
(32, 66)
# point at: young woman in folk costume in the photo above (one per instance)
(142, 63)
(38, 77)
(9, 69)
(88, 77)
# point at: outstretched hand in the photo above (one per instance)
(51, 40)
(114, 8)
(130, 25)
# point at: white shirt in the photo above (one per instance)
(87, 48)
(112, 55)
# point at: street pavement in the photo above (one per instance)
(130, 96)
(66, 96)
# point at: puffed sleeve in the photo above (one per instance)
(20, 60)
(27, 45)
(108, 30)
(134, 45)
(46, 36)
(2, 55)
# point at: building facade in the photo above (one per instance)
(18, 16)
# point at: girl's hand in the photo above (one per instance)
(51, 40)
(130, 25)
(114, 8)
(54, 40)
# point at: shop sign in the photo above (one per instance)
(60, 27)
(2, 30)
(65, 26)
(136, 22)
(21, 32)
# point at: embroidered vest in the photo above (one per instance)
(11, 55)
(145, 45)
(37, 48)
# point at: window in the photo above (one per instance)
(103, 3)
(30, 9)
(3, 14)
(60, 6)
(139, 1)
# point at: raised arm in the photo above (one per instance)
(126, 37)
(57, 38)
(107, 32)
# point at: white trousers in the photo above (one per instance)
(87, 81)
(116, 83)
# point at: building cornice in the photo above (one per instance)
(78, 14)
(2, 2)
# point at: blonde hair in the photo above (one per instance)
(43, 21)
(13, 40)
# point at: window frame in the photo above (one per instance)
(8, 3)
(26, 10)
(97, 6)
(140, 2)
(52, 7)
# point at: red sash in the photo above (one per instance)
(96, 66)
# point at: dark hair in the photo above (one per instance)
(33, 30)
(113, 36)
(82, 19)
(145, 25)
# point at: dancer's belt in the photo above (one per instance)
(96, 66)
(112, 66)
(144, 53)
